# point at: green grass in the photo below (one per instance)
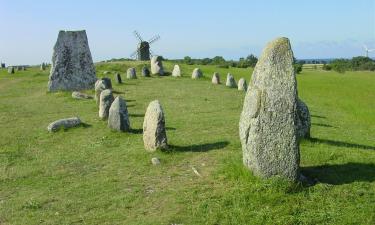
(91, 175)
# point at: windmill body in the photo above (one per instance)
(143, 51)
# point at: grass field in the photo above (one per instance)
(91, 175)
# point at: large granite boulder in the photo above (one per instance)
(242, 85)
(157, 65)
(197, 73)
(154, 134)
(72, 67)
(106, 99)
(303, 120)
(63, 123)
(216, 78)
(131, 73)
(118, 118)
(230, 81)
(267, 125)
(176, 71)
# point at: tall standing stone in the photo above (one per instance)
(118, 118)
(72, 66)
(176, 71)
(242, 85)
(106, 99)
(145, 71)
(42, 66)
(230, 81)
(197, 73)
(154, 134)
(216, 78)
(101, 85)
(157, 65)
(131, 73)
(268, 121)
(118, 78)
(10, 69)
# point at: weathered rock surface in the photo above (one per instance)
(79, 95)
(101, 85)
(131, 73)
(72, 67)
(145, 71)
(118, 118)
(107, 82)
(106, 99)
(216, 78)
(10, 69)
(197, 73)
(242, 85)
(63, 123)
(155, 161)
(303, 120)
(267, 126)
(154, 133)
(176, 71)
(157, 65)
(230, 81)
(118, 78)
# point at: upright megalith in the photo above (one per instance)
(106, 99)
(268, 121)
(72, 66)
(176, 71)
(101, 85)
(131, 73)
(154, 134)
(118, 118)
(303, 120)
(2, 65)
(107, 82)
(197, 73)
(215, 78)
(145, 71)
(157, 65)
(118, 78)
(10, 69)
(43, 66)
(242, 85)
(230, 81)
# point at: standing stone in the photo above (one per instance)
(118, 78)
(145, 71)
(268, 121)
(216, 78)
(197, 73)
(3, 65)
(303, 120)
(10, 69)
(118, 118)
(101, 85)
(230, 81)
(157, 65)
(176, 71)
(131, 73)
(242, 85)
(42, 66)
(107, 82)
(106, 99)
(154, 134)
(72, 66)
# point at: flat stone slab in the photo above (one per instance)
(63, 123)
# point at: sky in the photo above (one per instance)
(195, 28)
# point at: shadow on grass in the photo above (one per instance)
(322, 125)
(198, 147)
(86, 125)
(340, 143)
(317, 116)
(118, 92)
(136, 131)
(341, 174)
(136, 115)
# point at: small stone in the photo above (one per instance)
(176, 71)
(155, 161)
(63, 123)
(118, 78)
(230, 81)
(154, 133)
(131, 73)
(157, 65)
(106, 99)
(118, 118)
(145, 71)
(216, 78)
(106, 72)
(101, 85)
(10, 69)
(242, 85)
(303, 120)
(197, 73)
(79, 95)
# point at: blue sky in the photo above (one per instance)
(317, 29)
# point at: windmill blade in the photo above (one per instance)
(134, 54)
(137, 35)
(153, 39)
(151, 53)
